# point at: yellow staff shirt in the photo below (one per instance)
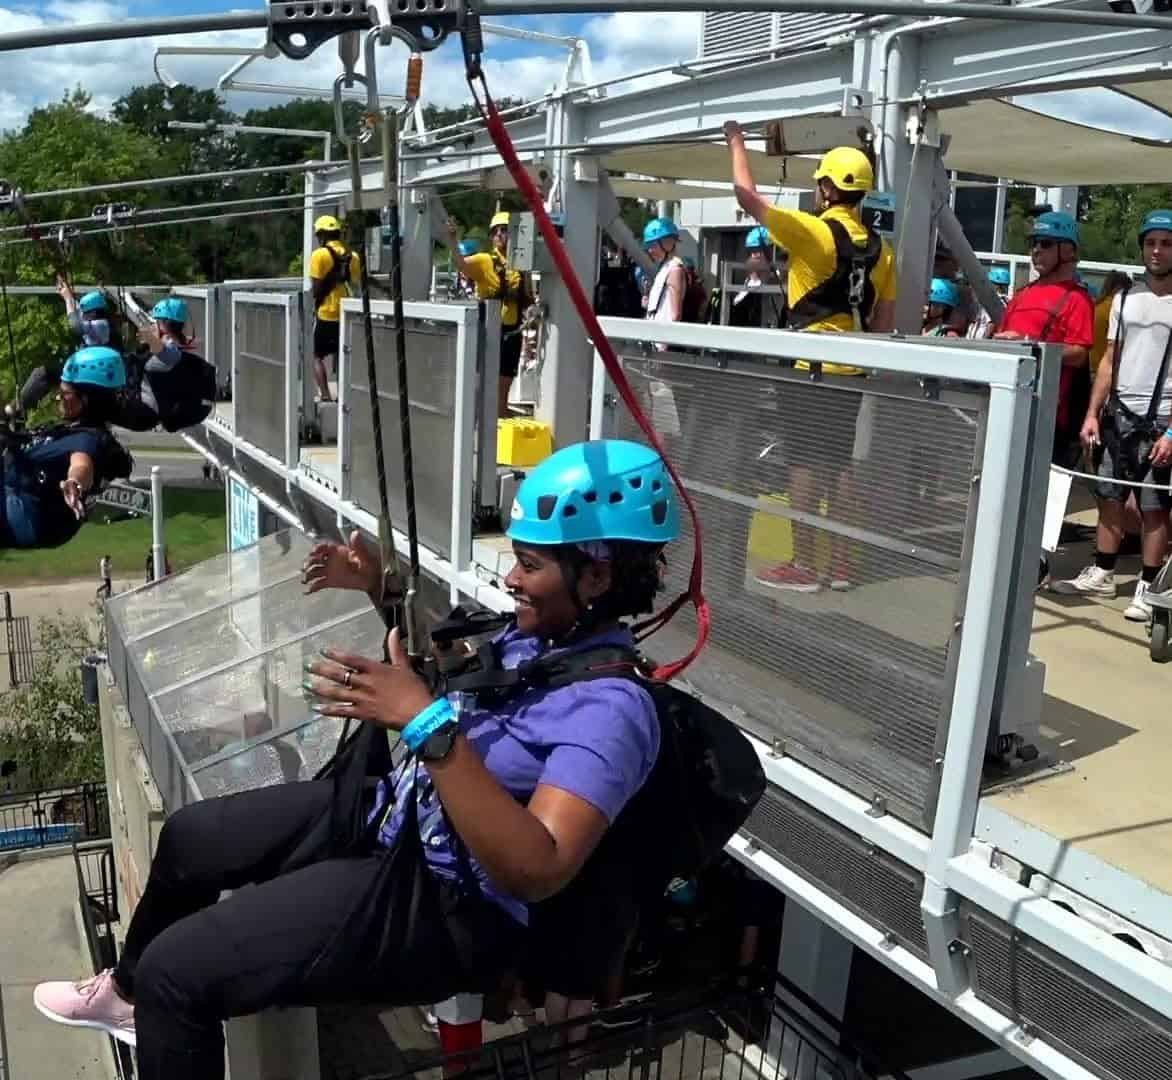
(813, 259)
(483, 270)
(321, 262)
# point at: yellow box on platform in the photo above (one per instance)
(521, 442)
(771, 536)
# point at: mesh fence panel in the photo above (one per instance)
(865, 484)
(431, 350)
(259, 392)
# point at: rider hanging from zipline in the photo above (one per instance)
(46, 474)
(175, 388)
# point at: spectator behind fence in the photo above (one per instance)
(1127, 422)
(1057, 308)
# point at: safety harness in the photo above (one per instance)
(849, 290)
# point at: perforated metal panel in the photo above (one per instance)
(200, 316)
(866, 482)
(431, 351)
(743, 31)
(1110, 1033)
(260, 361)
(870, 882)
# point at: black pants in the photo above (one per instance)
(376, 928)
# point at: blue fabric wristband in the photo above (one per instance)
(427, 723)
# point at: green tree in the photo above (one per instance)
(46, 727)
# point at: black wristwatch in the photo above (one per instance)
(438, 745)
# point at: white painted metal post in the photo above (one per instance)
(158, 547)
(566, 363)
(463, 461)
(999, 209)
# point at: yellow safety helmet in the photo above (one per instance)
(499, 219)
(327, 223)
(847, 169)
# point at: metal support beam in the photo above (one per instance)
(952, 233)
(567, 360)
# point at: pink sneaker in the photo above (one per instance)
(91, 1003)
(791, 577)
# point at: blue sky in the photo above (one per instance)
(619, 44)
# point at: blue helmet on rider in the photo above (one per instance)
(1157, 219)
(658, 229)
(944, 292)
(92, 302)
(170, 309)
(1055, 225)
(607, 489)
(999, 275)
(95, 365)
(758, 239)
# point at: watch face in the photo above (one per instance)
(439, 744)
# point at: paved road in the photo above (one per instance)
(177, 467)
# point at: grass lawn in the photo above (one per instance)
(195, 530)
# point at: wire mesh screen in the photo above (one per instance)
(199, 316)
(836, 518)
(259, 392)
(431, 349)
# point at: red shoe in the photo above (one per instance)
(792, 577)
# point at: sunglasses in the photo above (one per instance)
(1043, 244)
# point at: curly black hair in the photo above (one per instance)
(636, 570)
(100, 406)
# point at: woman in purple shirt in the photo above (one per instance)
(494, 809)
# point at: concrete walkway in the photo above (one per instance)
(40, 939)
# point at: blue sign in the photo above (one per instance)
(243, 516)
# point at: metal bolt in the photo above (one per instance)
(878, 807)
(888, 941)
(976, 478)
(1026, 1033)
(777, 749)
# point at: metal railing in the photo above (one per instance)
(97, 898)
(38, 819)
(722, 1031)
(19, 636)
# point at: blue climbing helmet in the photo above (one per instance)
(999, 275)
(659, 229)
(95, 365)
(1055, 225)
(1156, 219)
(92, 301)
(944, 292)
(606, 489)
(171, 309)
(758, 239)
(469, 247)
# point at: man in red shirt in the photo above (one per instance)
(1057, 308)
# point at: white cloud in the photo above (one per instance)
(619, 44)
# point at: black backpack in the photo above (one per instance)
(705, 781)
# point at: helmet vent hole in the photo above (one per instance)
(570, 511)
(656, 485)
(590, 496)
(636, 482)
(545, 506)
(615, 497)
(659, 512)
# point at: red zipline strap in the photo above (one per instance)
(504, 144)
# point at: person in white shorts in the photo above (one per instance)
(1127, 423)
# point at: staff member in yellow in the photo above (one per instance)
(332, 268)
(490, 272)
(841, 278)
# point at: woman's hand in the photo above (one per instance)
(74, 496)
(732, 131)
(353, 687)
(342, 566)
(151, 338)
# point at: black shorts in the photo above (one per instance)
(511, 340)
(327, 337)
(1123, 455)
(818, 428)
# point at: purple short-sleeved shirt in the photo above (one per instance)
(596, 739)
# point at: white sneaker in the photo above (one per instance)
(1139, 610)
(1091, 581)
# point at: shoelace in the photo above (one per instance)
(90, 987)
